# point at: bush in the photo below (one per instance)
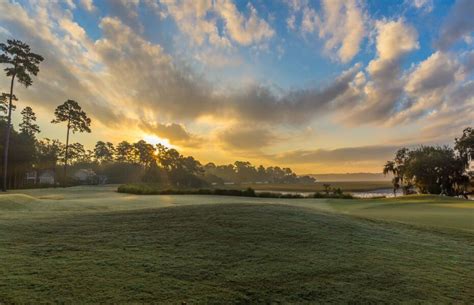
(155, 189)
(336, 195)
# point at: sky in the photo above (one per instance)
(329, 86)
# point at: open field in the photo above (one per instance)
(93, 245)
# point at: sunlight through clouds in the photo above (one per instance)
(236, 78)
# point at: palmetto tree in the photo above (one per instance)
(77, 121)
(388, 168)
(398, 167)
(21, 65)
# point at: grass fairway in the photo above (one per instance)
(92, 245)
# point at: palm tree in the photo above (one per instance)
(22, 63)
(390, 167)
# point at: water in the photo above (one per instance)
(385, 192)
(376, 193)
(366, 194)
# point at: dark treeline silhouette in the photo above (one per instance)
(122, 163)
(142, 162)
(434, 169)
(245, 172)
(21, 64)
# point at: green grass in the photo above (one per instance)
(93, 245)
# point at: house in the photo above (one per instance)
(47, 177)
(102, 179)
(40, 177)
(31, 176)
(85, 176)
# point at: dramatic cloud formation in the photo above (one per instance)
(245, 77)
(382, 93)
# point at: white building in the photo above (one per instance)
(85, 176)
(40, 177)
(47, 177)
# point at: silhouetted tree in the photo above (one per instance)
(465, 145)
(4, 100)
(397, 167)
(49, 152)
(104, 151)
(434, 169)
(145, 153)
(28, 125)
(125, 152)
(22, 64)
(77, 121)
(327, 188)
(390, 168)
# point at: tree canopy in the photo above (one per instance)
(21, 62)
(434, 169)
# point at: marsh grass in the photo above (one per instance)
(157, 189)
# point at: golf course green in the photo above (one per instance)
(94, 245)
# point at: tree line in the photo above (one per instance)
(125, 162)
(434, 169)
(428, 169)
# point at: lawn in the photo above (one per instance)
(93, 245)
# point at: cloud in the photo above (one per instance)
(447, 122)
(469, 62)
(246, 138)
(431, 86)
(156, 84)
(242, 29)
(395, 38)
(69, 57)
(380, 96)
(88, 5)
(458, 23)
(160, 85)
(126, 11)
(199, 20)
(175, 133)
(339, 155)
(433, 74)
(258, 103)
(425, 5)
(122, 78)
(341, 24)
(191, 18)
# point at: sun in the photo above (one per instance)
(152, 139)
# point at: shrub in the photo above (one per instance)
(155, 189)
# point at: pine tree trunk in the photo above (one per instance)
(7, 137)
(66, 154)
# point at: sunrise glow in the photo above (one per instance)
(154, 140)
